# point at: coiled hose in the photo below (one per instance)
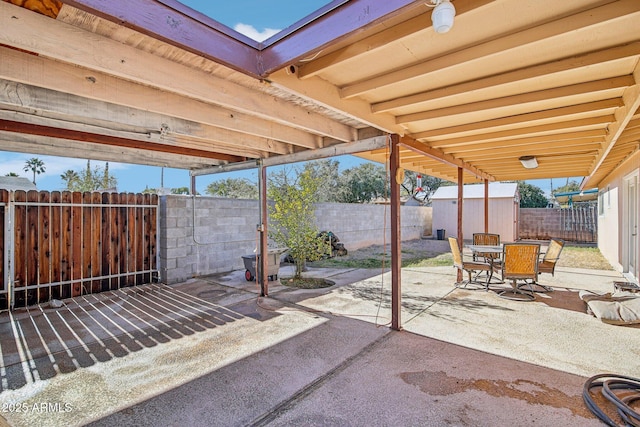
(628, 391)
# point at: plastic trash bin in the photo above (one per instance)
(273, 264)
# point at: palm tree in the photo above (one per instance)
(70, 177)
(34, 165)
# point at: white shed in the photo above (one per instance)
(504, 207)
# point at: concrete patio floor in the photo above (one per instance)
(210, 352)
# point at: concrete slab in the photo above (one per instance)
(212, 352)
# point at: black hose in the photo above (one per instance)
(628, 386)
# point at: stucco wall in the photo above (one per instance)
(613, 222)
(222, 230)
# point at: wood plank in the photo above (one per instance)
(95, 138)
(131, 239)
(114, 240)
(33, 242)
(55, 237)
(36, 144)
(139, 243)
(50, 8)
(87, 114)
(66, 242)
(44, 245)
(96, 241)
(105, 239)
(77, 242)
(20, 228)
(148, 230)
(71, 80)
(122, 239)
(154, 233)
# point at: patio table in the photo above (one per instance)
(488, 249)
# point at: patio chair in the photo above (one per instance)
(551, 257)
(519, 263)
(486, 239)
(470, 267)
(548, 263)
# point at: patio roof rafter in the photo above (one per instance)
(426, 150)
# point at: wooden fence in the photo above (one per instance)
(64, 244)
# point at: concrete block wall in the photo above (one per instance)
(577, 225)
(222, 230)
(211, 241)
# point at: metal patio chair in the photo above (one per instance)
(470, 267)
(520, 263)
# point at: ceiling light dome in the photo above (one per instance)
(442, 16)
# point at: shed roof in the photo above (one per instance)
(497, 190)
(16, 183)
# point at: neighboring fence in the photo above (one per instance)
(576, 224)
(63, 244)
(206, 235)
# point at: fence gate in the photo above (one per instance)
(580, 223)
(65, 244)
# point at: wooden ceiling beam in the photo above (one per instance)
(45, 73)
(569, 126)
(37, 144)
(69, 109)
(532, 150)
(624, 114)
(418, 147)
(379, 40)
(519, 39)
(528, 73)
(53, 132)
(555, 114)
(597, 134)
(607, 88)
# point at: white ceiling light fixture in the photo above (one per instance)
(442, 15)
(529, 162)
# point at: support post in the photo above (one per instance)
(396, 254)
(460, 201)
(262, 227)
(192, 190)
(486, 205)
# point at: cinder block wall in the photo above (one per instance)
(539, 223)
(225, 229)
(579, 225)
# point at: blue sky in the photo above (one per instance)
(258, 19)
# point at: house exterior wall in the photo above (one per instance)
(503, 218)
(614, 229)
(222, 230)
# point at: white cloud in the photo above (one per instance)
(251, 32)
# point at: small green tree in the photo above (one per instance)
(34, 165)
(12, 174)
(292, 216)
